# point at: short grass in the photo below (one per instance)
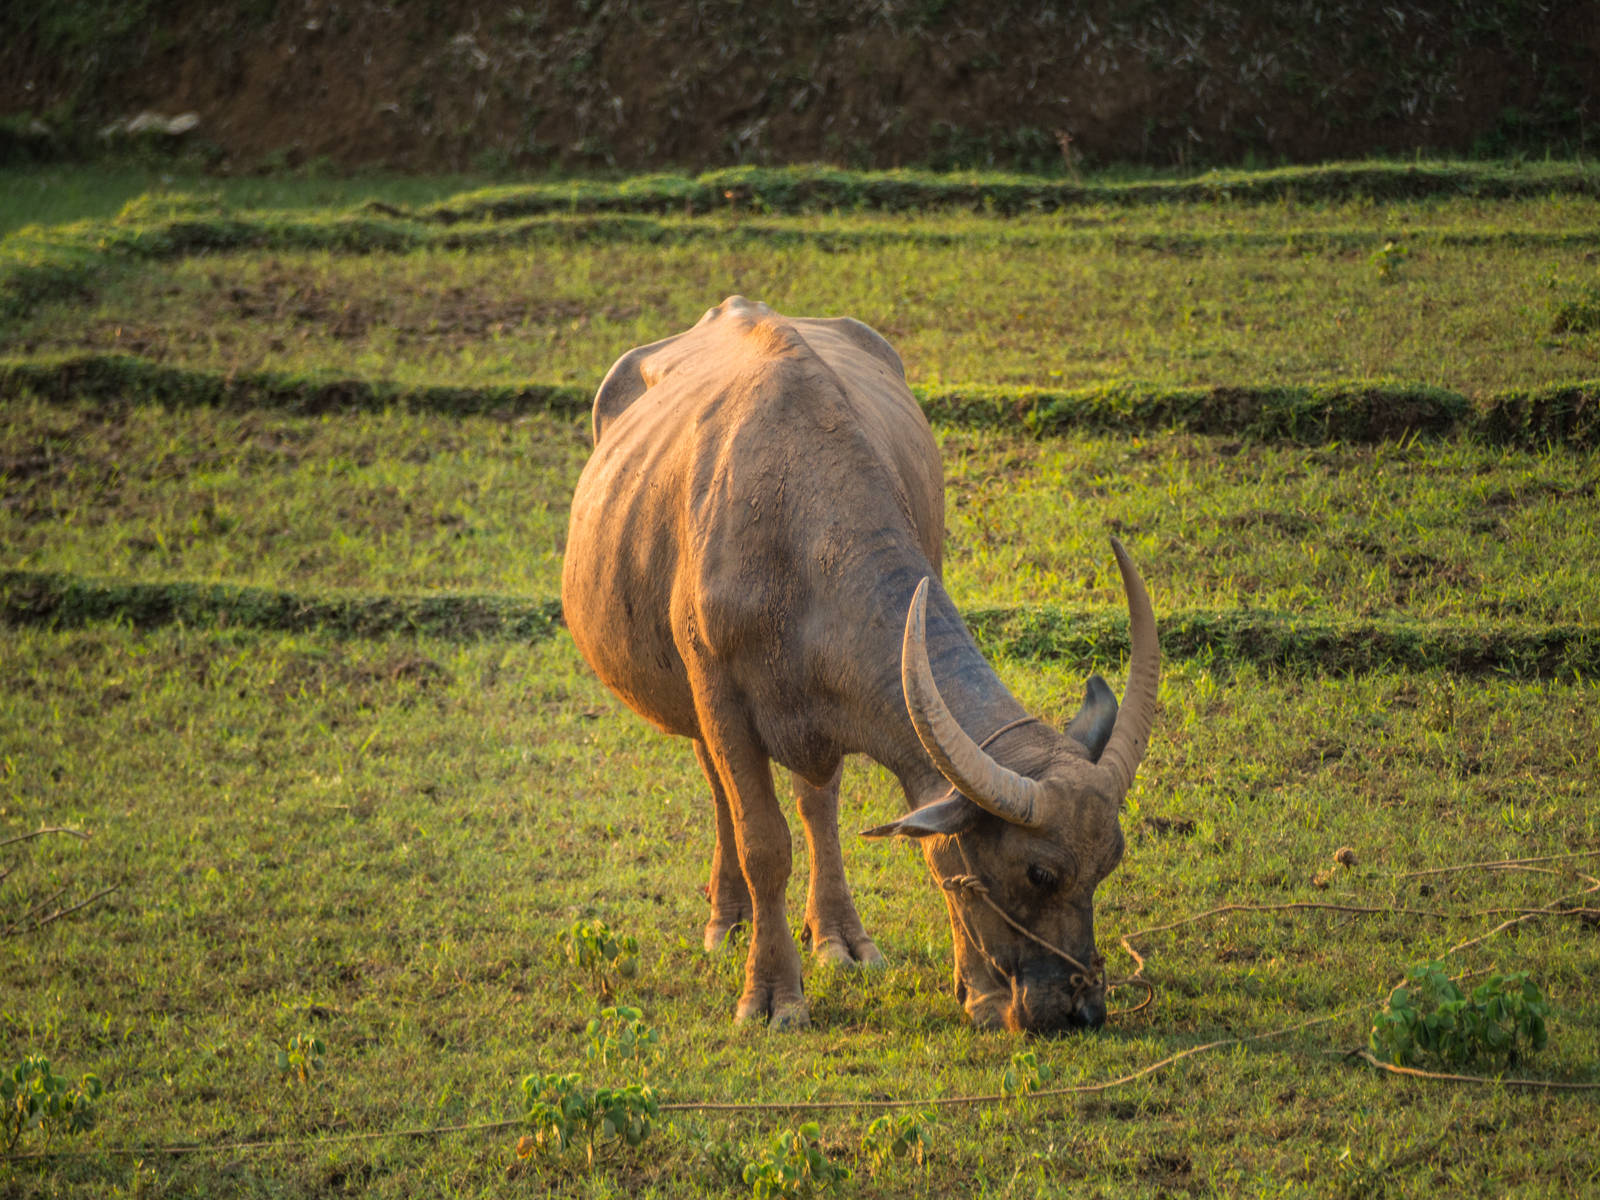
(1059, 313)
(406, 502)
(376, 839)
(376, 842)
(55, 195)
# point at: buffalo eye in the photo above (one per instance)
(1042, 878)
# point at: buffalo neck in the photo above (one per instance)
(877, 722)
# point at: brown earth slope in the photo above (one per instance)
(433, 84)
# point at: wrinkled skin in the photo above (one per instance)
(1043, 877)
(753, 563)
(1046, 881)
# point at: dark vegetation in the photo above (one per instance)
(626, 84)
(1083, 638)
(1561, 414)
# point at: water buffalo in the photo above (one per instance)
(754, 562)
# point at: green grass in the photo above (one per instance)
(284, 644)
(59, 194)
(411, 502)
(376, 841)
(1471, 318)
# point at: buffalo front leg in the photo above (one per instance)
(730, 897)
(832, 926)
(772, 986)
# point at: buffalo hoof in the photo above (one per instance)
(836, 951)
(721, 934)
(785, 1013)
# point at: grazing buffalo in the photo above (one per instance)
(754, 563)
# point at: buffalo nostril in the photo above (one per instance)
(1091, 1014)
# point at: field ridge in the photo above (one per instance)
(799, 189)
(1352, 411)
(376, 228)
(65, 600)
(1299, 642)
(40, 264)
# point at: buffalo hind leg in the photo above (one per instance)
(730, 897)
(832, 926)
(772, 984)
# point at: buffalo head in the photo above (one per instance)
(1035, 837)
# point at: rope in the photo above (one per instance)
(1500, 862)
(1084, 977)
(25, 837)
(179, 1149)
(1553, 1085)
(863, 1105)
(986, 1098)
(1082, 980)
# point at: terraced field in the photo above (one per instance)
(283, 496)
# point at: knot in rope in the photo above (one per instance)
(964, 883)
(1084, 977)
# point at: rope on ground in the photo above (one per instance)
(1560, 907)
(985, 1098)
(178, 1149)
(25, 837)
(17, 926)
(1553, 1085)
(1499, 862)
(862, 1105)
(31, 920)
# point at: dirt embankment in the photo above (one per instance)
(448, 84)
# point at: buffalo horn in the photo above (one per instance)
(959, 759)
(1131, 734)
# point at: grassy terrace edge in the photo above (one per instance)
(1356, 411)
(175, 225)
(1299, 643)
(821, 189)
(61, 263)
(38, 264)
(30, 598)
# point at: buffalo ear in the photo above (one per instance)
(1091, 728)
(955, 815)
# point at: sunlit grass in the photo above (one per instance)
(56, 194)
(376, 841)
(390, 502)
(1470, 318)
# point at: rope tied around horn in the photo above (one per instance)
(1085, 978)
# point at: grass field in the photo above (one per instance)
(1186, 295)
(293, 672)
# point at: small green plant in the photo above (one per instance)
(592, 947)
(891, 1137)
(565, 1113)
(1580, 314)
(301, 1057)
(1026, 1074)
(620, 1034)
(1388, 259)
(794, 1165)
(35, 1097)
(1429, 1015)
(726, 1160)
